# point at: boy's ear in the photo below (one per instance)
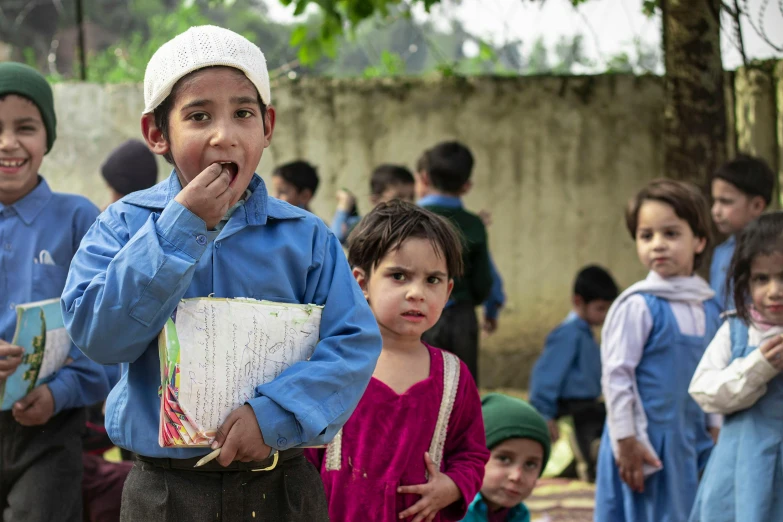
(305, 195)
(464, 189)
(269, 125)
(701, 244)
(361, 278)
(757, 206)
(451, 287)
(577, 300)
(153, 135)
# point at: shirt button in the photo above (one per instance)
(201, 239)
(12, 306)
(281, 442)
(7, 246)
(217, 244)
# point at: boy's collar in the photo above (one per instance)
(440, 200)
(481, 504)
(33, 203)
(258, 207)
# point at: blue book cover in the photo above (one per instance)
(41, 332)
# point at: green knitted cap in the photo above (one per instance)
(21, 79)
(509, 418)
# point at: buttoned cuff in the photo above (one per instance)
(184, 230)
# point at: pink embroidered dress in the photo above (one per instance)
(382, 445)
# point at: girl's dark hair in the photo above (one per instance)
(762, 237)
(688, 203)
(162, 112)
(390, 224)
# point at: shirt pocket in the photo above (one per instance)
(48, 281)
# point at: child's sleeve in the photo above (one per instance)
(121, 290)
(465, 453)
(721, 385)
(621, 350)
(550, 370)
(81, 382)
(308, 403)
(497, 298)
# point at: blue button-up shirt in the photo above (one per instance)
(146, 252)
(39, 234)
(568, 368)
(497, 297)
(721, 259)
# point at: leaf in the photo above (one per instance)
(298, 36)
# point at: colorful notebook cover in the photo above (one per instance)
(215, 352)
(41, 332)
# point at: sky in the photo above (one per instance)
(608, 26)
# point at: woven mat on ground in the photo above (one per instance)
(562, 500)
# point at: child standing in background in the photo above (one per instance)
(414, 449)
(442, 178)
(566, 379)
(741, 191)
(40, 436)
(519, 444)
(387, 182)
(656, 440)
(740, 377)
(295, 183)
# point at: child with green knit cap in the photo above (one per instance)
(518, 439)
(40, 231)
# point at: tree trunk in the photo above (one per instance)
(695, 114)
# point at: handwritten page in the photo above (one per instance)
(228, 347)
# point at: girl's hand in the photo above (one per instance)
(440, 491)
(773, 352)
(631, 459)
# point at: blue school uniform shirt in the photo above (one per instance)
(568, 368)
(39, 234)
(146, 252)
(721, 259)
(497, 297)
(478, 512)
(343, 223)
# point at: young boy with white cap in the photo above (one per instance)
(211, 228)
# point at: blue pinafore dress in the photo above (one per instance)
(744, 478)
(676, 425)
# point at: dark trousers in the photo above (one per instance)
(589, 418)
(292, 492)
(457, 331)
(41, 468)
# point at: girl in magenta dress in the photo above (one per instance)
(414, 448)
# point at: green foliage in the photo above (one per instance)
(127, 60)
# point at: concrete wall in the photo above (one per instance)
(556, 160)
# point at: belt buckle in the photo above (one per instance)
(273, 466)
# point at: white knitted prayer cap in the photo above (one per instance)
(199, 47)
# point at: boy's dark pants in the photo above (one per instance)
(589, 418)
(159, 490)
(41, 468)
(457, 331)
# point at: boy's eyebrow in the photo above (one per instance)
(195, 103)
(439, 273)
(242, 100)
(27, 119)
